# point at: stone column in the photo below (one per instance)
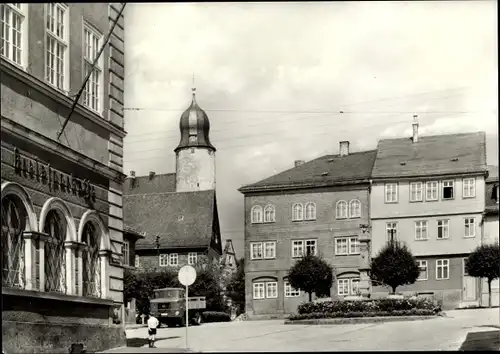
(29, 259)
(104, 274)
(364, 279)
(79, 261)
(30, 249)
(70, 247)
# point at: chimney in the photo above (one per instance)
(415, 128)
(299, 162)
(344, 148)
(151, 174)
(132, 179)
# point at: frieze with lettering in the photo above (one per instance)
(56, 180)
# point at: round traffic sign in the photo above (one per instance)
(187, 275)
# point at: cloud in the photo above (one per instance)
(378, 62)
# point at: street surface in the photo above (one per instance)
(442, 333)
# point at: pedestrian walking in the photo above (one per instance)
(152, 325)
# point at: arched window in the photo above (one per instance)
(341, 209)
(55, 256)
(91, 272)
(14, 217)
(310, 211)
(355, 208)
(269, 213)
(256, 214)
(298, 212)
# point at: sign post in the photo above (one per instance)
(187, 276)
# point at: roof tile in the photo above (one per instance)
(181, 219)
(162, 183)
(431, 155)
(325, 170)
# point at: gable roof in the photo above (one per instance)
(184, 219)
(431, 155)
(228, 248)
(162, 183)
(491, 205)
(492, 174)
(324, 171)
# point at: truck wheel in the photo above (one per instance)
(197, 319)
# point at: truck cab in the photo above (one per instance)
(169, 307)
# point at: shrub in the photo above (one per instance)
(215, 316)
(357, 314)
(376, 305)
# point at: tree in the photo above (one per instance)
(394, 266)
(236, 286)
(141, 285)
(311, 274)
(484, 262)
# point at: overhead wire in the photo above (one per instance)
(321, 113)
(238, 138)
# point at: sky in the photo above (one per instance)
(287, 81)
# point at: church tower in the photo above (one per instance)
(195, 155)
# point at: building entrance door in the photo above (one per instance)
(469, 291)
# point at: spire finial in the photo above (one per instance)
(193, 88)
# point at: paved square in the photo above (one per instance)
(443, 333)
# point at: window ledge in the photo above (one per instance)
(55, 296)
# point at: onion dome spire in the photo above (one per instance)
(195, 127)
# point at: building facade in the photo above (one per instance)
(428, 192)
(61, 197)
(490, 227)
(178, 211)
(316, 208)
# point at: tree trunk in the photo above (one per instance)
(310, 297)
(489, 292)
(394, 289)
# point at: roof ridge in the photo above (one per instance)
(480, 132)
(163, 193)
(156, 175)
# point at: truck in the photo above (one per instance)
(169, 307)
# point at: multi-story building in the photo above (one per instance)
(313, 208)
(61, 188)
(490, 231)
(429, 193)
(177, 211)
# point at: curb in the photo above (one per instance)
(132, 326)
(147, 350)
(358, 320)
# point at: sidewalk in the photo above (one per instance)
(147, 350)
